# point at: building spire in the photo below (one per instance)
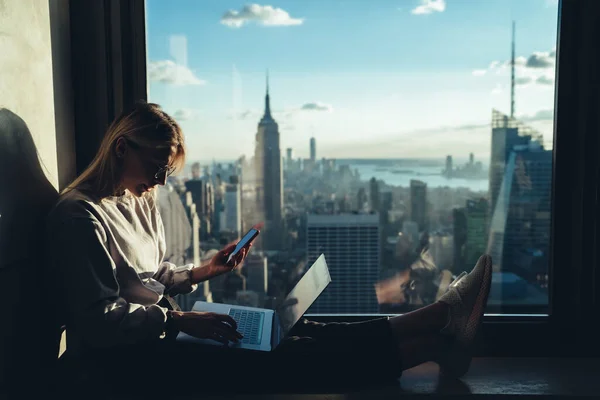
(267, 101)
(512, 74)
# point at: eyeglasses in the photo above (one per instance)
(166, 169)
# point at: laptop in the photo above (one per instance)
(264, 329)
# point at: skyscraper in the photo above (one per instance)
(255, 267)
(477, 217)
(361, 200)
(233, 283)
(418, 204)
(459, 225)
(387, 204)
(375, 195)
(196, 171)
(203, 198)
(351, 244)
(313, 149)
(507, 133)
(449, 167)
(387, 200)
(232, 220)
(410, 230)
(470, 239)
(519, 238)
(267, 158)
(289, 162)
(441, 249)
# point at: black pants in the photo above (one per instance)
(315, 356)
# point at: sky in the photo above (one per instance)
(367, 79)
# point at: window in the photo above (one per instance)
(398, 139)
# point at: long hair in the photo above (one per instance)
(147, 126)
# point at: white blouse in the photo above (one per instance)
(107, 258)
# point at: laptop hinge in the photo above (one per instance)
(276, 336)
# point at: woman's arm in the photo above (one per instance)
(202, 273)
(86, 276)
(182, 280)
(176, 280)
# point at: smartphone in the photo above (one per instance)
(245, 241)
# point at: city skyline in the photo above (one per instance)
(218, 94)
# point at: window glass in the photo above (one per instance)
(402, 140)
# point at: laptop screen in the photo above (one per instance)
(304, 294)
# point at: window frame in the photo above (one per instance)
(119, 32)
(568, 330)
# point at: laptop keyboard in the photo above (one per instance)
(250, 324)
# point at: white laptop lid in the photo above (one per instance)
(304, 294)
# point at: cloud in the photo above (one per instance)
(537, 68)
(540, 59)
(545, 80)
(166, 71)
(316, 106)
(262, 15)
(282, 116)
(184, 114)
(520, 60)
(542, 115)
(523, 80)
(498, 89)
(501, 65)
(244, 115)
(494, 64)
(429, 6)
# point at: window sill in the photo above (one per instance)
(488, 378)
(508, 377)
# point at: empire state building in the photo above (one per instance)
(269, 178)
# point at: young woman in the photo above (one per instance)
(106, 245)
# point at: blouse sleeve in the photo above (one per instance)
(101, 317)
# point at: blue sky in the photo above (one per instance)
(376, 78)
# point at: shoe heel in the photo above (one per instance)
(458, 278)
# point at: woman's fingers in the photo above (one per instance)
(222, 318)
(227, 250)
(240, 257)
(228, 333)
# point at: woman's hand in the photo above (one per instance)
(207, 325)
(218, 265)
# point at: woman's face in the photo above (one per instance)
(143, 168)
